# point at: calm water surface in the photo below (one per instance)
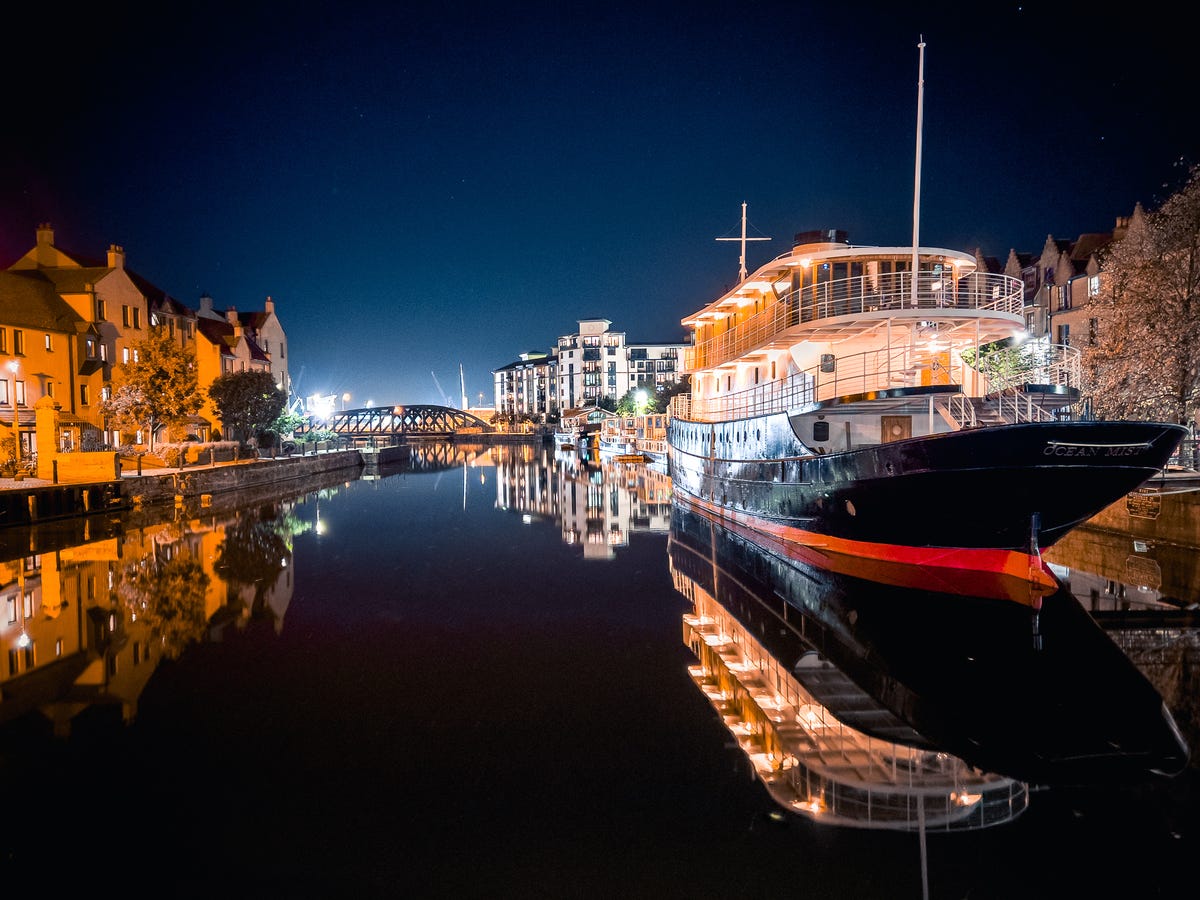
(475, 678)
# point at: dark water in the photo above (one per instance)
(474, 679)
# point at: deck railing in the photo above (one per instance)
(890, 292)
(999, 377)
(1011, 368)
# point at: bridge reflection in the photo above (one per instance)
(399, 422)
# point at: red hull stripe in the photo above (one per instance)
(979, 572)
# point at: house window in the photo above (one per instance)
(1094, 286)
(104, 352)
(106, 392)
(1064, 335)
(18, 342)
(125, 316)
(125, 355)
(135, 356)
(3, 340)
(137, 318)
(49, 388)
(4, 391)
(20, 393)
(83, 395)
(99, 310)
(91, 347)
(49, 344)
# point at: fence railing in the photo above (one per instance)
(855, 296)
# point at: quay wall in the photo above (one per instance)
(33, 504)
(238, 476)
(1156, 516)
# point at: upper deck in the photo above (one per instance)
(831, 292)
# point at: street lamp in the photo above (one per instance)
(14, 367)
(345, 400)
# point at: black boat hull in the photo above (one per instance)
(1010, 487)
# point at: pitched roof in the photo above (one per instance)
(1087, 245)
(221, 334)
(33, 302)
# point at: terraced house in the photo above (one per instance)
(66, 322)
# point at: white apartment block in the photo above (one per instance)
(584, 367)
(595, 363)
(526, 387)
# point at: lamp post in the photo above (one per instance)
(345, 400)
(14, 367)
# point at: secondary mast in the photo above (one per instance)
(743, 239)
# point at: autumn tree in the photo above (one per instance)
(156, 387)
(248, 402)
(1144, 361)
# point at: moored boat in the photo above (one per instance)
(639, 437)
(836, 399)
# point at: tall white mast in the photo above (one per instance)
(462, 386)
(917, 175)
(743, 239)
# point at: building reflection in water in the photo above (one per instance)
(598, 503)
(877, 703)
(91, 606)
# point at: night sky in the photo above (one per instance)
(424, 186)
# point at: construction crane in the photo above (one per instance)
(445, 399)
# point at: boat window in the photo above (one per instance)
(820, 431)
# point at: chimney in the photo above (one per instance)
(231, 315)
(205, 304)
(116, 257)
(44, 254)
(270, 305)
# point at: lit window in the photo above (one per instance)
(1094, 286)
(125, 355)
(83, 395)
(49, 343)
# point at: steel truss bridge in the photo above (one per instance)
(392, 423)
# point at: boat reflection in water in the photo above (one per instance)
(876, 702)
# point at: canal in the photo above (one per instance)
(494, 672)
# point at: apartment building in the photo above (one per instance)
(584, 368)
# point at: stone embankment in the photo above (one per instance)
(194, 482)
(31, 501)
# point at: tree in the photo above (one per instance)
(1144, 361)
(156, 387)
(248, 402)
(636, 401)
(168, 595)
